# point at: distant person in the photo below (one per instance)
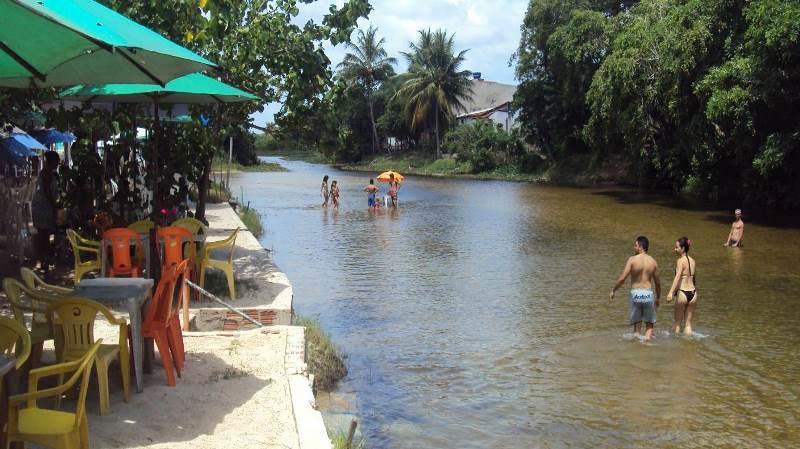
(372, 194)
(323, 190)
(643, 271)
(737, 230)
(44, 209)
(394, 188)
(335, 194)
(683, 287)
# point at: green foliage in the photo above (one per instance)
(486, 147)
(697, 96)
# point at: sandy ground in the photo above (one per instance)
(234, 393)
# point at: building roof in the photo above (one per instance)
(487, 95)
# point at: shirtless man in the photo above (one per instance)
(643, 271)
(737, 231)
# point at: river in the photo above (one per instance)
(477, 315)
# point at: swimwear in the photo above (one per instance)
(642, 305)
(689, 295)
(732, 242)
(371, 200)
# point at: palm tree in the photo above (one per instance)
(435, 83)
(366, 67)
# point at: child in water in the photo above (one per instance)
(323, 190)
(335, 194)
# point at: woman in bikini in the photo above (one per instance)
(335, 194)
(683, 287)
(394, 186)
(323, 190)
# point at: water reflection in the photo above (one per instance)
(476, 315)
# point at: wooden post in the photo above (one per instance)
(351, 434)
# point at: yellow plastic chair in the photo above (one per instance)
(25, 300)
(34, 282)
(142, 226)
(52, 428)
(224, 265)
(14, 340)
(194, 225)
(77, 316)
(82, 246)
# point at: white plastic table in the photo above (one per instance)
(131, 293)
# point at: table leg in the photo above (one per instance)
(137, 340)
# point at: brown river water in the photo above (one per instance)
(477, 315)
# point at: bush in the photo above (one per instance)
(484, 145)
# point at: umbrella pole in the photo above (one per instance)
(155, 162)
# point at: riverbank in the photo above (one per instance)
(221, 167)
(581, 171)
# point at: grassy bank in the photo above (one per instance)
(313, 157)
(417, 165)
(325, 362)
(252, 219)
(221, 167)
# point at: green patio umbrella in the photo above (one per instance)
(190, 89)
(64, 42)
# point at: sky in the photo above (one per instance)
(490, 29)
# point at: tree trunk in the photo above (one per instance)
(202, 188)
(372, 122)
(438, 153)
(155, 169)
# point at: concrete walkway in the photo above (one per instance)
(242, 387)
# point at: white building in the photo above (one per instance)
(490, 101)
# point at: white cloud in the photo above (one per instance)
(490, 29)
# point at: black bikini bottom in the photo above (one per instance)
(689, 295)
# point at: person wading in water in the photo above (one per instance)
(683, 287)
(323, 190)
(643, 271)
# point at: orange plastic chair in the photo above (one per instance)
(160, 322)
(121, 262)
(77, 317)
(52, 428)
(175, 244)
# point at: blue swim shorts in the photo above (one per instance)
(643, 305)
(371, 200)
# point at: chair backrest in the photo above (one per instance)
(230, 242)
(14, 336)
(142, 226)
(76, 241)
(120, 240)
(34, 282)
(77, 317)
(24, 299)
(171, 241)
(160, 303)
(181, 270)
(193, 225)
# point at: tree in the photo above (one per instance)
(435, 85)
(258, 46)
(367, 66)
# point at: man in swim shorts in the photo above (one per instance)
(737, 230)
(372, 191)
(643, 270)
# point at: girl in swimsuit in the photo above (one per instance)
(335, 194)
(323, 190)
(683, 287)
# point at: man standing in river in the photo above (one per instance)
(737, 230)
(643, 270)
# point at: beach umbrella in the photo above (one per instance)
(15, 148)
(385, 176)
(64, 42)
(52, 136)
